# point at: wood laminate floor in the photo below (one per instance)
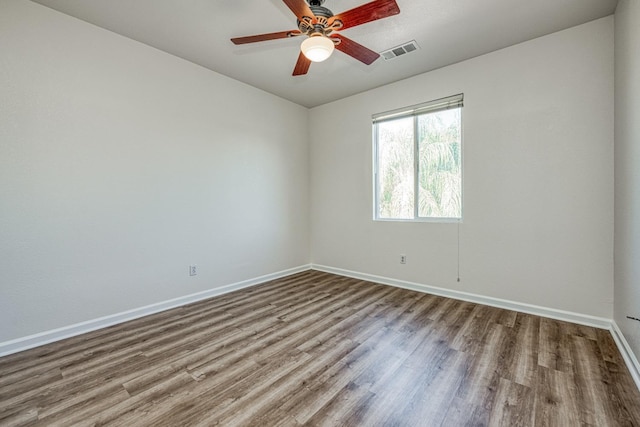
(320, 349)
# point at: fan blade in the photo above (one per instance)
(301, 9)
(302, 66)
(351, 48)
(368, 12)
(263, 37)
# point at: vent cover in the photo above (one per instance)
(403, 49)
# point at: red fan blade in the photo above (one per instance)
(301, 9)
(263, 37)
(354, 49)
(368, 12)
(302, 66)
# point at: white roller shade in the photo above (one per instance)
(441, 104)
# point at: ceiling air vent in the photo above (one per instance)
(400, 50)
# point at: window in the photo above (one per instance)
(418, 162)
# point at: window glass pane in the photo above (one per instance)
(395, 169)
(439, 168)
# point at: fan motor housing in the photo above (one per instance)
(321, 11)
(322, 15)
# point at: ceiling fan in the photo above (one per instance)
(321, 27)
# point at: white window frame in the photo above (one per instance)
(450, 102)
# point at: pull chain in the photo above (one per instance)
(458, 250)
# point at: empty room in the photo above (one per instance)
(319, 212)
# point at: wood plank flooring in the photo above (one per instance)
(320, 349)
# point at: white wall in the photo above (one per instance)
(538, 177)
(120, 165)
(627, 162)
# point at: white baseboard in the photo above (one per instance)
(568, 316)
(627, 354)
(36, 340)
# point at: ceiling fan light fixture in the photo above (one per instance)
(317, 47)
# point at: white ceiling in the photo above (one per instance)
(448, 31)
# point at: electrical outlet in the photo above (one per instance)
(403, 259)
(193, 270)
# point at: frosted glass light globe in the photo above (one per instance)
(317, 48)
